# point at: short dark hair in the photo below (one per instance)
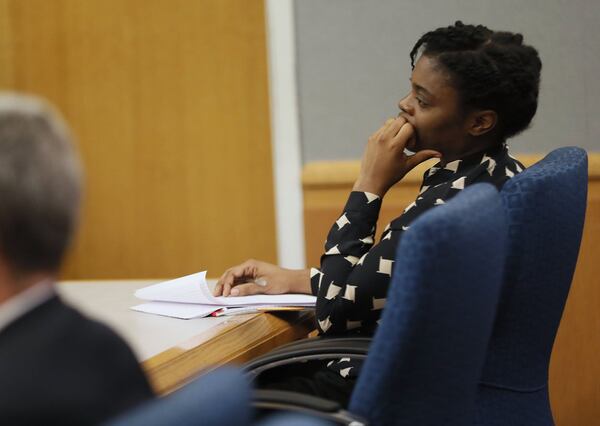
(40, 185)
(489, 69)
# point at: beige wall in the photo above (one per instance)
(354, 66)
(169, 101)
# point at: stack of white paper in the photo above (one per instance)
(191, 297)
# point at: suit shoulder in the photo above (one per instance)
(98, 373)
(101, 341)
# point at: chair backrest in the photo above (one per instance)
(293, 419)
(545, 206)
(219, 398)
(426, 357)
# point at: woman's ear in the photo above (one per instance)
(482, 122)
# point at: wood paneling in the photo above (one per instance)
(574, 368)
(169, 102)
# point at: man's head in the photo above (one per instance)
(40, 186)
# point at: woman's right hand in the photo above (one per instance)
(384, 162)
(256, 277)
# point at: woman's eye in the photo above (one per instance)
(421, 103)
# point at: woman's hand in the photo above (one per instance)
(384, 162)
(256, 277)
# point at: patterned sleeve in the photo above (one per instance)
(352, 283)
(346, 293)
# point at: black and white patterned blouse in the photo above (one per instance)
(352, 282)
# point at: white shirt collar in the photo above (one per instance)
(24, 302)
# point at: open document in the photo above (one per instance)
(191, 297)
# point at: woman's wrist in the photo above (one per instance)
(300, 281)
(363, 185)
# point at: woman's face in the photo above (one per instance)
(433, 109)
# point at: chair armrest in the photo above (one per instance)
(316, 348)
(298, 402)
(322, 341)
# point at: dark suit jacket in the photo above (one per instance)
(59, 367)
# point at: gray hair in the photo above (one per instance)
(40, 184)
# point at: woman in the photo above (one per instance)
(471, 90)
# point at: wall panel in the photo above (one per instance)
(169, 102)
(354, 66)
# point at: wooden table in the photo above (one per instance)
(173, 351)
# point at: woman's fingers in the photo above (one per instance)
(403, 135)
(239, 274)
(255, 277)
(230, 277)
(247, 289)
(382, 129)
(226, 282)
(421, 156)
(234, 276)
(388, 122)
(226, 277)
(394, 127)
(406, 133)
(218, 290)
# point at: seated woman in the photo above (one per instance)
(471, 89)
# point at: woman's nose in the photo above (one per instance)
(405, 106)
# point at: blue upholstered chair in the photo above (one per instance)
(425, 360)
(292, 419)
(427, 354)
(216, 399)
(545, 205)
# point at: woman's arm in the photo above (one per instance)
(383, 164)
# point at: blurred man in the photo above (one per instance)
(56, 366)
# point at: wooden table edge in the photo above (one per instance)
(235, 341)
